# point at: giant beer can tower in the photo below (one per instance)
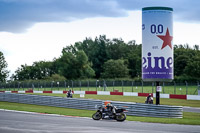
(157, 44)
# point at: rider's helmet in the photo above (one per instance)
(109, 104)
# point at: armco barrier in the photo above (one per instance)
(51, 101)
(139, 109)
(136, 109)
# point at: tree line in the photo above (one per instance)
(103, 58)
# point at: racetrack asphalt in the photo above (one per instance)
(22, 122)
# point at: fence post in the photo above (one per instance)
(198, 86)
(65, 84)
(152, 86)
(88, 85)
(32, 86)
(72, 85)
(5, 86)
(96, 84)
(8, 86)
(104, 85)
(174, 87)
(38, 86)
(80, 84)
(122, 86)
(22, 86)
(163, 87)
(142, 86)
(45, 85)
(186, 87)
(113, 85)
(132, 86)
(52, 85)
(58, 85)
(19, 85)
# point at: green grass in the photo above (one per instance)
(137, 99)
(188, 118)
(45, 109)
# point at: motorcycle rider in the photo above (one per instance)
(111, 108)
(69, 94)
(149, 99)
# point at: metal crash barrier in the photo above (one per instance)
(150, 110)
(135, 109)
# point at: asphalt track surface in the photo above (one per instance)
(20, 122)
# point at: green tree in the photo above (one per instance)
(193, 67)
(3, 65)
(23, 73)
(115, 69)
(134, 59)
(117, 49)
(102, 49)
(99, 57)
(134, 64)
(179, 64)
(38, 70)
(42, 69)
(196, 47)
(56, 77)
(96, 51)
(74, 66)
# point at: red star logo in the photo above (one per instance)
(166, 39)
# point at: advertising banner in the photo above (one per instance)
(157, 44)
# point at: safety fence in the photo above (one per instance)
(150, 110)
(135, 109)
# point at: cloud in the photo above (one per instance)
(184, 10)
(19, 15)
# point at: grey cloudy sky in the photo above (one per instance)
(35, 30)
(18, 15)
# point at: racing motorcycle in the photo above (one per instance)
(150, 101)
(103, 113)
(69, 94)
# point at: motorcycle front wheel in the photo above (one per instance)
(97, 116)
(121, 117)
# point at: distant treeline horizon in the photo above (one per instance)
(103, 58)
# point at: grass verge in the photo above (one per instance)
(188, 118)
(45, 109)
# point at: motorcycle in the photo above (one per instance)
(69, 94)
(103, 113)
(150, 101)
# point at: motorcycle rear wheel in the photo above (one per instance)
(97, 116)
(121, 117)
